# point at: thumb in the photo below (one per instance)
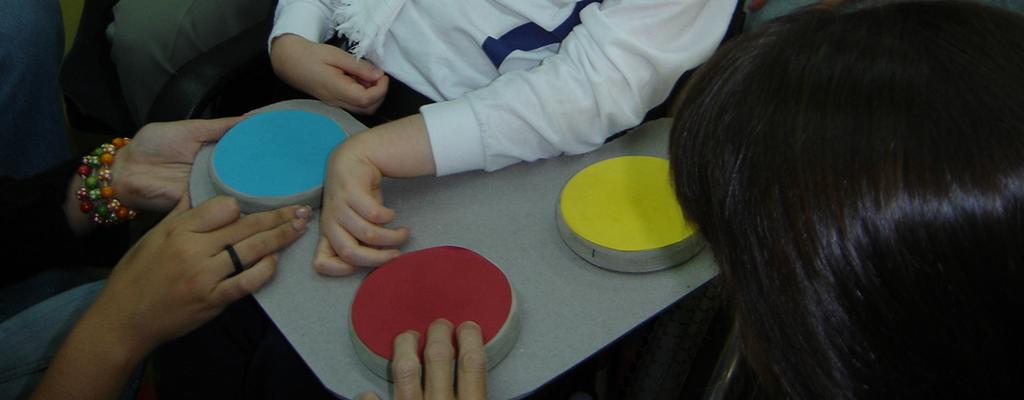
(210, 130)
(184, 204)
(360, 69)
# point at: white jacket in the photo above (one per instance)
(522, 79)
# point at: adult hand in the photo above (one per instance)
(151, 172)
(179, 274)
(438, 360)
(176, 277)
(329, 73)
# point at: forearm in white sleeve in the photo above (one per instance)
(310, 19)
(619, 62)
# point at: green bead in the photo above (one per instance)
(92, 182)
(95, 194)
(102, 210)
(97, 152)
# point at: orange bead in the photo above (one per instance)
(122, 212)
(107, 192)
(118, 142)
(107, 158)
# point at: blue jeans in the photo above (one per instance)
(32, 137)
(30, 339)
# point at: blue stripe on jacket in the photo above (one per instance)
(530, 36)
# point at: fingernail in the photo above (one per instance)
(299, 224)
(445, 322)
(303, 212)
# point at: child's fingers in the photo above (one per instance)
(362, 69)
(378, 89)
(349, 250)
(326, 262)
(372, 234)
(368, 206)
(345, 90)
(353, 109)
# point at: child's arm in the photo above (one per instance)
(620, 61)
(351, 226)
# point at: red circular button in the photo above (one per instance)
(413, 290)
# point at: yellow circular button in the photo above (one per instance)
(624, 204)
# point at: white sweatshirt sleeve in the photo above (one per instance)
(310, 19)
(620, 61)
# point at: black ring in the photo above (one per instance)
(234, 258)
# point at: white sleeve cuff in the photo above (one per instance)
(302, 19)
(455, 136)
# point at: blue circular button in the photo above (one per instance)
(276, 153)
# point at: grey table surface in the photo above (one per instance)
(570, 309)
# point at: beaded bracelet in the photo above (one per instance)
(97, 193)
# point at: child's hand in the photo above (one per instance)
(329, 73)
(352, 232)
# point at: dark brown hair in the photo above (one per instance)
(859, 175)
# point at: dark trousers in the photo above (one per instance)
(238, 355)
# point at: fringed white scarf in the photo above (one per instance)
(365, 22)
